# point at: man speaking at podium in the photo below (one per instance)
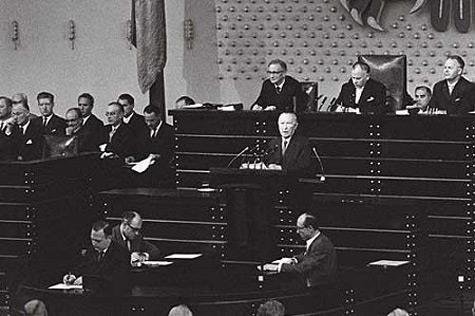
(290, 153)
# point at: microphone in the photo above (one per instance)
(322, 177)
(252, 151)
(237, 156)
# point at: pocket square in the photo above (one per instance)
(458, 99)
(29, 142)
(370, 99)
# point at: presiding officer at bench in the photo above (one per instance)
(280, 92)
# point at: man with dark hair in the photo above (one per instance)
(90, 123)
(27, 132)
(127, 235)
(183, 101)
(362, 94)
(86, 140)
(159, 145)
(279, 91)
(455, 94)
(422, 96)
(104, 260)
(120, 139)
(135, 121)
(271, 308)
(52, 124)
(318, 263)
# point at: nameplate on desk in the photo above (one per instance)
(62, 286)
(387, 263)
(153, 264)
(184, 256)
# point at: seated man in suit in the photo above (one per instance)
(22, 98)
(135, 121)
(103, 259)
(75, 127)
(422, 96)
(120, 138)
(318, 263)
(52, 123)
(28, 133)
(280, 92)
(127, 234)
(91, 124)
(7, 140)
(362, 94)
(290, 152)
(455, 94)
(158, 144)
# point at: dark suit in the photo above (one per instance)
(87, 141)
(122, 142)
(461, 101)
(136, 245)
(113, 269)
(8, 146)
(316, 265)
(137, 125)
(372, 100)
(55, 126)
(30, 144)
(297, 158)
(284, 101)
(95, 128)
(162, 172)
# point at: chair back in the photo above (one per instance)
(391, 71)
(311, 89)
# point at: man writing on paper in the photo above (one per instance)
(103, 259)
(127, 235)
(318, 263)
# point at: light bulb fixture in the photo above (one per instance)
(189, 33)
(72, 33)
(15, 36)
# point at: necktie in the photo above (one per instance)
(24, 129)
(111, 133)
(44, 121)
(278, 89)
(100, 255)
(284, 146)
(154, 133)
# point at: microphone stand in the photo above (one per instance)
(237, 156)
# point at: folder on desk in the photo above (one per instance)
(62, 286)
(184, 256)
(387, 263)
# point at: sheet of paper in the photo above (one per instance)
(184, 256)
(156, 263)
(143, 165)
(62, 286)
(388, 263)
(284, 260)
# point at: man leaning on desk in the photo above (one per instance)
(127, 235)
(103, 260)
(318, 263)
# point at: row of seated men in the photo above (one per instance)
(113, 251)
(127, 135)
(454, 94)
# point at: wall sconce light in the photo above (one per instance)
(189, 33)
(15, 34)
(129, 33)
(72, 33)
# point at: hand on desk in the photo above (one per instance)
(274, 166)
(136, 258)
(257, 107)
(270, 108)
(72, 279)
(271, 267)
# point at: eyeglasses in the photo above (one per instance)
(135, 229)
(274, 72)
